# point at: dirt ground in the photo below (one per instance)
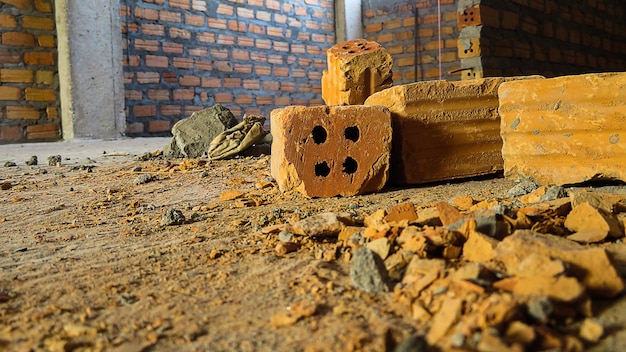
(86, 264)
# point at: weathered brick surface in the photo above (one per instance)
(328, 151)
(565, 130)
(28, 87)
(443, 130)
(356, 70)
(251, 56)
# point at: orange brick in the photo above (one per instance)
(135, 127)
(184, 94)
(18, 39)
(169, 16)
(46, 41)
(181, 4)
(144, 110)
(41, 23)
(40, 94)
(223, 98)
(159, 126)
(7, 21)
(42, 131)
(192, 20)
(22, 113)
(170, 110)
(10, 93)
(10, 133)
(148, 14)
(52, 112)
(148, 77)
(562, 130)
(43, 6)
(16, 76)
(20, 4)
(374, 27)
(44, 77)
(157, 61)
(39, 58)
(158, 94)
(188, 80)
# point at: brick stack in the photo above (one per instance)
(251, 56)
(395, 28)
(29, 100)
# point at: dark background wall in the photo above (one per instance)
(251, 56)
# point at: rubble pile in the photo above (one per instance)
(512, 274)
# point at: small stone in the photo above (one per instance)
(540, 308)
(283, 248)
(449, 214)
(524, 187)
(444, 319)
(402, 212)
(6, 185)
(591, 330)
(463, 202)
(144, 178)
(589, 236)
(231, 194)
(10, 164)
(479, 247)
(584, 216)
(520, 333)
(553, 193)
(32, 161)
(414, 343)
(322, 225)
(172, 217)
(380, 246)
(537, 265)
(368, 272)
(285, 236)
(54, 160)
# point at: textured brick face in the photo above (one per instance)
(329, 151)
(565, 130)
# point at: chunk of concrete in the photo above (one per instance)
(443, 130)
(192, 136)
(591, 265)
(356, 69)
(565, 130)
(368, 272)
(328, 151)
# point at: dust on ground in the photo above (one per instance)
(88, 262)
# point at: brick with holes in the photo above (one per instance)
(328, 151)
(356, 70)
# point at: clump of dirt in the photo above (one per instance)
(87, 264)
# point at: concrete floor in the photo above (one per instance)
(78, 151)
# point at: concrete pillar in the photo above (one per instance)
(348, 20)
(90, 68)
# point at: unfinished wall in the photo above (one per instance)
(547, 37)
(251, 56)
(394, 25)
(29, 99)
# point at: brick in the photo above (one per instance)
(147, 14)
(43, 6)
(10, 133)
(468, 47)
(44, 77)
(10, 93)
(564, 130)
(356, 69)
(20, 4)
(39, 58)
(469, 17)
(46, 41)
(327, 151)
(40, 94)
(22, 113)
(16, 76)
(41, 23)
(443, 130)
(157, 61)
(18, 39)
(159, 126)
(144, 110)
(9, 57)
(7, 21)
(148, 77)
(42, 131)
(52, 112)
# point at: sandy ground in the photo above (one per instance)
(87, 265)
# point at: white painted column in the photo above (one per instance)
(90, 68)
(354, 19)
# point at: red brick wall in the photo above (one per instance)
(393, 25)
(252, 56)
(552, 37)
(29, 98)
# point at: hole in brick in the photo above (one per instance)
(344, 47)
(319, 134)
(350, 165)
(322, 169)
(351, 52)
(352, 133)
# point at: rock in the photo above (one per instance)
(585, 217)
(414, 343)
(591, 330)
(519, 332)
(400, 212)
(551, 130)
(32, 161)
(380, 246)
(449, 214)
(560, 288)
(553, 193)
(596, 200)
(463, 202)
(443, 130)
(591, 265)
(10, 164)
(193, 135)
(322, 225)
(368, 272)
(172, 217)
(444, 319)
(143, 178)
(54, 160)
(589, 236)
(479, 247)
(356, 69)
(536, 265)
(525, 186)
(328, 151)
(540, 308)
(231, 194)
(283, 248)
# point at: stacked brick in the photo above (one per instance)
(250, 56)
(547, 37)
(400, 31)
(29, 99)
